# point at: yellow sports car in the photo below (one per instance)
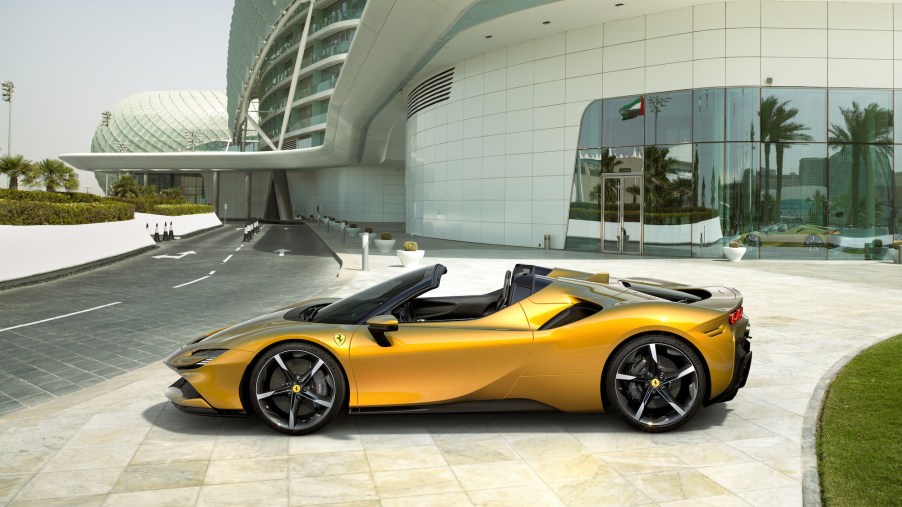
(550, 339)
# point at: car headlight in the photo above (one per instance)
(197, 359)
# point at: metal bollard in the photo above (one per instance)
(548, 242)
(365, 254)
(344, 236)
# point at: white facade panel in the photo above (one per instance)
(624, 56)
(794, 14)
(546, 94)
(858, 15)
(667, 23)
(584, 63)
(549, 69)
(864, 44)
(624, 30)
(709, 73)
(624, 82)
(861, 73)
(521, 53)
(583, 39)
(743, 14)
(743, 42)
(552, 45)
(795, 71)
(671, 49)
(494, 80)
(672, 76)
(584, 87)
(709, 44)
(520, 74)
(793, 43)
(709, 17)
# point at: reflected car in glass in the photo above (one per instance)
(651, 351)
(813, 237)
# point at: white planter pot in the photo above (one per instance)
(352, 231)
(341, 226)
(733, 254)
(894, 255)
(385, 245)
(411, 259)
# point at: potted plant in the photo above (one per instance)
(353, 229)
(410, 256)
(734, 251)
(875, 250)
(386, 243)
(894, 251)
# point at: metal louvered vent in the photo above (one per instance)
(290, 145)
(431, 91)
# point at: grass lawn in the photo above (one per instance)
(859, 438)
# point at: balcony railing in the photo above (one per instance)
(334, 17)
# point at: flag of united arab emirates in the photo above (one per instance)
(633, 109)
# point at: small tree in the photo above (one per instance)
(174, 193)
(15, 166)
(52, 173)
(125, 186)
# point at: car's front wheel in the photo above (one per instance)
(297, 388)
(655, 382)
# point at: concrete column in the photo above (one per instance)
(216, 202)
(144, 178)
(247, 194)
(283, 196)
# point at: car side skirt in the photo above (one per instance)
(462, 407)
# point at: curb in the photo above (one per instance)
(341, 262)
(811, 482)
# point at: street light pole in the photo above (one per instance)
(8, 89)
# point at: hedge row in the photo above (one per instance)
(146, 204)
(180, 209)
(24, 195)
(56, 213)
(675, 217)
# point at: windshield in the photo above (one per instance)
(352, 309)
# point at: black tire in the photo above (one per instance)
(655, 382)
(297, 388)
(753, 240)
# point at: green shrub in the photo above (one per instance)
(386, 236)
(145, 203)
(56, 213)
(734, 244)
(410, 246)
(353, 226)
(180, 209)
(41, 196)
(368, 230)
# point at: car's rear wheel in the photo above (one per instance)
(655, 382)
(297, 388)
(753, 240)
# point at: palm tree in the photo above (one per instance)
(777, 129)
(53, 173)
(658, 166)
(866, 130)
(15, 166)
(125, 186)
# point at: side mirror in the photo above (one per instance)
(381, 324)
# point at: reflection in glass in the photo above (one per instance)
(779, 126)
(668, 193)
(590, 127)
(861, 116)
(739, 213)
(622, 204)
(861, 188)
(707, 172)
(618, 129)
(668, 118)
(583, 228)
(708, 118)
(742, 114)
(810, 113)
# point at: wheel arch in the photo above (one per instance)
(244, 386)
(623, 342)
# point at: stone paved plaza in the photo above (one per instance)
(119, 443)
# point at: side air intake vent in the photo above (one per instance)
(575, 313)
(431, 91)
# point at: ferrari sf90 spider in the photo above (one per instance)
(651, 351)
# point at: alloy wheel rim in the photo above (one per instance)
(295, 389)
(656, 384)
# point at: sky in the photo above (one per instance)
(72, 59)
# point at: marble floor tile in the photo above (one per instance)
(728, 500)
(175, 497)
(110, 420)
(173, 452)
(383, 440)
(327, 463)
(418, 482)
(701, 455)
(610, 441)
(440, 500)
(268, 493)
(569, 467)
(105, 437)
(614, 491)
(642, 461)
(75, 501)
(515, 497)
(98, 457)
(495, 475)
(468, 452)
(789, 427)
(547, 445)
(23, 462)
(767, 448)
(676, 485)
(748, 477)
(70, 484)
(401, 458)
(325, 442)
(170, 475)
(275, 445)
(790, 467)
(9, 486)
(332, 489)
(788, 497)
(246, 470)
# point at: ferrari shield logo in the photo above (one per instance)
(340, 339)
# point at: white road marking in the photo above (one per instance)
(238, 249)
(60, 317)
(211, 272)
(227, 259)
(192, 281)
(281, 252)
(179, 256)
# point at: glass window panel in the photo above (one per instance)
(861, 188)
(627, 159)
(793, 202)
(590, 127)
(793, 114)
(621, 130)
(898, 116)
(583, 228)
(668, 198)
(708, 117)
(707, 175)
(897, 208)
(861, 116)
(739, 210)
(742, 114)
(668, 117)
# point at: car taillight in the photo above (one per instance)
(735, 316)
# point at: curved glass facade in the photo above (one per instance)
(787, 172)
(165, 121)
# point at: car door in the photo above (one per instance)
(442, 361)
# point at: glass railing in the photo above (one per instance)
(307, 121)
(333, 49)
(335, 17)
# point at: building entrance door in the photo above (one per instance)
(622, 215)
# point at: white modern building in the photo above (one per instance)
(663, 127)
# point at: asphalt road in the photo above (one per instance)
(60, 336)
